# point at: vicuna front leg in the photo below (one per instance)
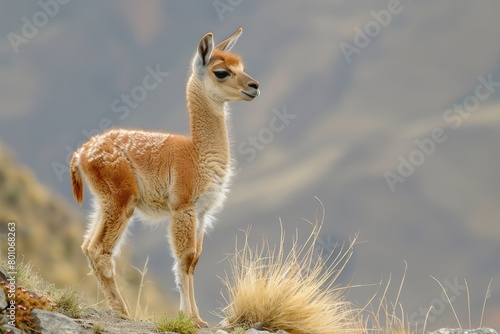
(194, 307)
(186, 250)
(107, 228)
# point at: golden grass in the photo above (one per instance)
(293, 291)
(392, 320)
(69, 302)
(486, 296)
(97, 328)
(389, 317)
(140, 312)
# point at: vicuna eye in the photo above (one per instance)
(221, 74)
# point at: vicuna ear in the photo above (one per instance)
(228, 43)
(205, 48)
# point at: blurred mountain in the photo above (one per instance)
(47, 228)
(351, 121)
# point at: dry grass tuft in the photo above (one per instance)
(389, 317)
(293, 291)
(140, 312)
(27, 276)
(69, 302)
(97, 328)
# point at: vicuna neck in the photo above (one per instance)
(208, 121)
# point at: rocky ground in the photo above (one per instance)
(106, 322)
(37, 311)
(111, 324)
(483, 330)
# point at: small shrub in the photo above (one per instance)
(68, 302)
(28, 277)
(181, 324)
(239, 330)
(120, 315)
(293, 291)
(97, 328)
(389, 317)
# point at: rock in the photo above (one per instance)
(33, 293)
(255, 331)
(482, 330)
(3, 274)
(224, 323)
(258, 326)
(4, 320)
(220, 331)
(54, 323)
(13, 330)
(3, 299)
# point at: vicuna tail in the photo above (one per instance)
(76, 179)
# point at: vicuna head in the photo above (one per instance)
(221, 73)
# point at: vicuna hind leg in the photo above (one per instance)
(100, 246)
(94, 220)
(184, 248)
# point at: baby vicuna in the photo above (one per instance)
(160, 175)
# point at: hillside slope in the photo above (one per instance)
(48, 230)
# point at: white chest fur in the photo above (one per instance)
(211, 200)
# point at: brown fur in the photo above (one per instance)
(230, 59)
(161, 175)
(77, 183)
